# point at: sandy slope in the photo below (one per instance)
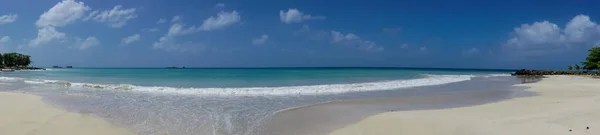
(23, 114)
(564, 103)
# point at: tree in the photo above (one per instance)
(1, 62)
(10, 59)
(16, 59)
(570, 67)
(23, 60)
(593, 59)
(577, 67)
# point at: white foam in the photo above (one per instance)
(10, 79)
(495, 75)
(311, 89)
(265, 91)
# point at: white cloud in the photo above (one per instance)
(91, 15)
(339, 37)
(87, 43)
(153, 30)
(63, 13)
(261, 40)
(312, 34)
(4, 40)
(535, 35)
(167, 42)
(295, 16)
(581, 29)
(471, 51)
(404, 46)
(353, 40)
(176, 18)
(130, 39)
(222, 20)
(4, 19)
(546, 35)
(178, 30)
(46, 35)
(161, 20)
(116, 17)
(220, 5)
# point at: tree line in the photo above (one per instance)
(14, 60)
(592, 61)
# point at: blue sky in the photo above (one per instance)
(275, 33)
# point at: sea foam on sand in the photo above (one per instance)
(565, 105)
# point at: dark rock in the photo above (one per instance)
(525, 72)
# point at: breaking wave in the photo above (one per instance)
(262, 91)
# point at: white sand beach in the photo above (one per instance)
(24, 114)
(565, 105)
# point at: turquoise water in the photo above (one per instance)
(232, 101)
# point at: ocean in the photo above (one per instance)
(229, 101)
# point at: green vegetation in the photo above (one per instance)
(15, 61)
(577, 67)
(592, 62)
(570, 67)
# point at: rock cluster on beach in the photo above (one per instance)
(525, 72)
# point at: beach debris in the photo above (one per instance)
(587, 128)
(570, 130)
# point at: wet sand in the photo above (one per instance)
(24, 114)
(564, 105)
(326, 117)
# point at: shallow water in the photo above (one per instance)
(149, 110)
(151, 113)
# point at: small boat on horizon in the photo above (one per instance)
(175, 67)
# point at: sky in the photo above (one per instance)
(507, 34)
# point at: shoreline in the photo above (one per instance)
(325, 117)
(26, 114)
(562, 103)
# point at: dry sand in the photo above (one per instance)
(566, 105)
(24, 114)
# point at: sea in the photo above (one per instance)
(252, 101)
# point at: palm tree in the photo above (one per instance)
(570, 67)
(577, 67)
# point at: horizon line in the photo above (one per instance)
(182, 67)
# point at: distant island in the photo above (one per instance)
(16, 61)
